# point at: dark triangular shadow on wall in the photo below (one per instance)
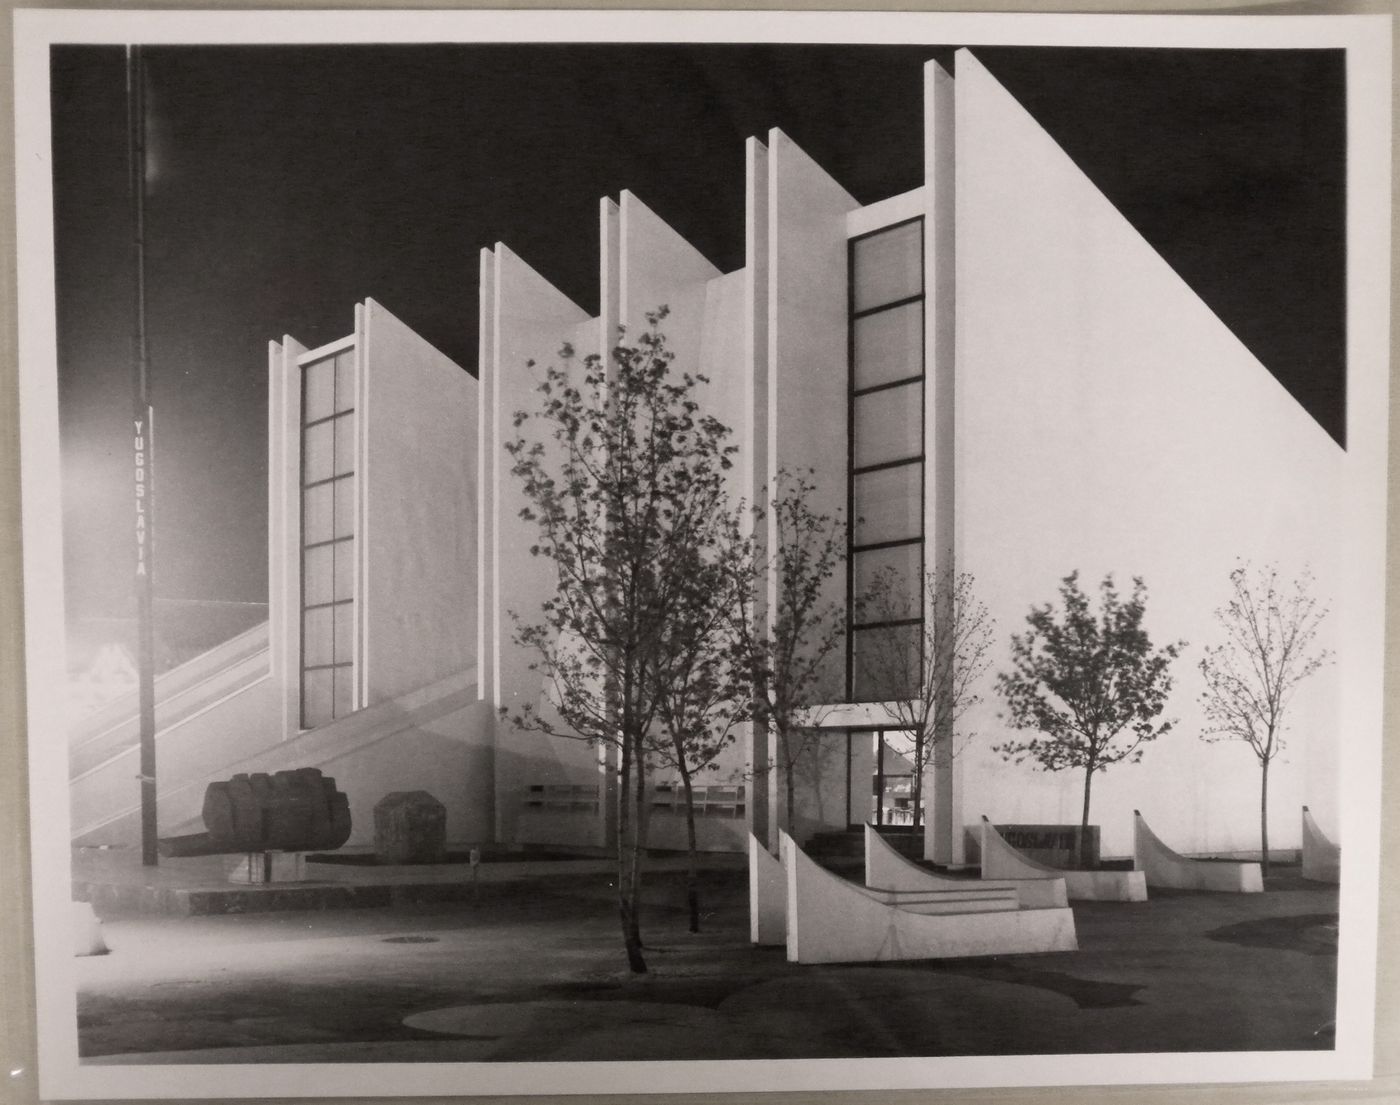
(1232, 165)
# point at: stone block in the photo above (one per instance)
(410, 826)
(291, 811)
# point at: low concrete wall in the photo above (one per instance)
(1106, 886)
(886, 868)
(830, 920)
(1163, 867)
(1001, 861)
(1322, 860)
(767, 897)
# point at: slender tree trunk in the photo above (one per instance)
(692, 872)
(639, 842)
(785, 765)
(916, 781)
(1264, 816)
(626, 865)
(764, 816)
(1084, 820)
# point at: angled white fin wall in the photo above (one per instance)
(530, 320)
(830, 920)
(284, 528)
(944, 839)
(807, 362)
(1322, 860)
(723, 364)
(1161, 865)
(658, 267)
(609, 278)
(753, 461)
(705, 329)
(1107, 421)
(1002, 861)
(887, 869)
(418, 592)
(767, 896)
(486, 447)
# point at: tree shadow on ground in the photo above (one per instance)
(1309, 933)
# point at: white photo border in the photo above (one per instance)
(1366, 40)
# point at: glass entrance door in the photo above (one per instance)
(885, 758)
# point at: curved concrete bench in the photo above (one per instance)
(1002, 861)
(1164, 867)
(885, 868)
(767, 896)
(830, 920)
(1322, 860)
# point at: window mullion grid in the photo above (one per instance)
(852, 393)
(327, 418)
(890, 305)
(888, 385)
(336, 477)
(898, 462)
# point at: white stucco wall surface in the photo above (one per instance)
(448, 756)
(658, 267)
(808, 371)
(1108, 422)
(418, 590)
(529, 320)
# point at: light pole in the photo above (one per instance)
(143, 458)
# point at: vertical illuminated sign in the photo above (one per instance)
(142, 445)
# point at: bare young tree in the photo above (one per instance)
(790, 632)
(930, 648)
(1269, 628)
(633, 477)
(703, 686)
(1093, 689)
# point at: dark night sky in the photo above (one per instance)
(290, 183)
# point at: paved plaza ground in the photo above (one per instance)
(534, 971)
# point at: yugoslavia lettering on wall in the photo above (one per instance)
(139, 442)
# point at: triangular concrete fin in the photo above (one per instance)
(522, 291)
(785, 155)
(1023, 170)
(654, 259)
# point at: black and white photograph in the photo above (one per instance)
(582, 552)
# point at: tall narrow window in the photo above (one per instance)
(886, 473)
(327, 537)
